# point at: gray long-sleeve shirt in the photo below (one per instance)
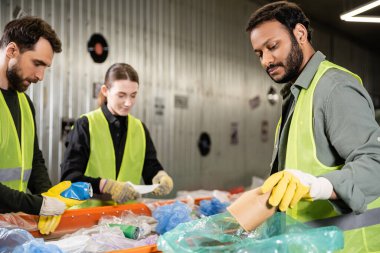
(345, 132)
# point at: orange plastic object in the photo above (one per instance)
(73, 220)
(143, 249)
(236, 190)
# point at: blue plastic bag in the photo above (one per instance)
(169, 216)
(211, 207)
(78, 191)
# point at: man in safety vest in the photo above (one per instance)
(326, 160)
(27, 47)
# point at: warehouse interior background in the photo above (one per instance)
(198, 76)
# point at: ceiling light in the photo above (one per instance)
(350, 16)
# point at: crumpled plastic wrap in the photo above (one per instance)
(221, 233)
(169, 216)
(211, 207)
(223, 196)
(19, 220)
(99, 239)
(146, 224)
(17, 240)
(103, 238)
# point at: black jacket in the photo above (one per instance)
(77, 151)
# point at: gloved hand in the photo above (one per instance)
(165, 183)
(120, 191)
(48, 224)
(290, 186)
(53, 205)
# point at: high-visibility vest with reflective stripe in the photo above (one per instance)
(301, 154)
(16, 157)
(102, 161)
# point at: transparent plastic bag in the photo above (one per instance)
(36, 246)
(17, 240)
(221, 233)
(146, 224)
(100, 238)
(74, 244)
(19, 220)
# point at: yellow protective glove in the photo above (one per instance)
(165, 183)
(120, 191)
(290, 186)
(48, 224)
(53, 206)
(55, 192)
(286, 190)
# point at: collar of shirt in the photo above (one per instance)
(307, 74)
(304, 79)
(9, 92)
(112, 119)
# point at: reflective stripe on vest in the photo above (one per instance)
(102, 162)
(350, 221)
(16, 162)
(301, 154)
(12, 174)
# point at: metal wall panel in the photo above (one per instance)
(193, 48)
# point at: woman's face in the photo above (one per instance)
(121, 96)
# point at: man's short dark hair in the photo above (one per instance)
(26, 31)
(288, 14)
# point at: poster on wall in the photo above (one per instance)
(234, 135)
(159, 110)
(264, 131)
(254, 102)
(181, 102)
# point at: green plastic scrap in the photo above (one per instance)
(221, 233)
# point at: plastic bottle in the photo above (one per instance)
(78, 191)
(129, 231)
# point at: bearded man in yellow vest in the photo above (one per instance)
(27, 47)
(326, 160)
(109, 147)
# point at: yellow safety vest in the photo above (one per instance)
(102, 161)
(361, 231)
(16, 157)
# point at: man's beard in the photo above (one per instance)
(14, 79)
(292, 64)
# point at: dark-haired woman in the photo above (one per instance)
(109, 147)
